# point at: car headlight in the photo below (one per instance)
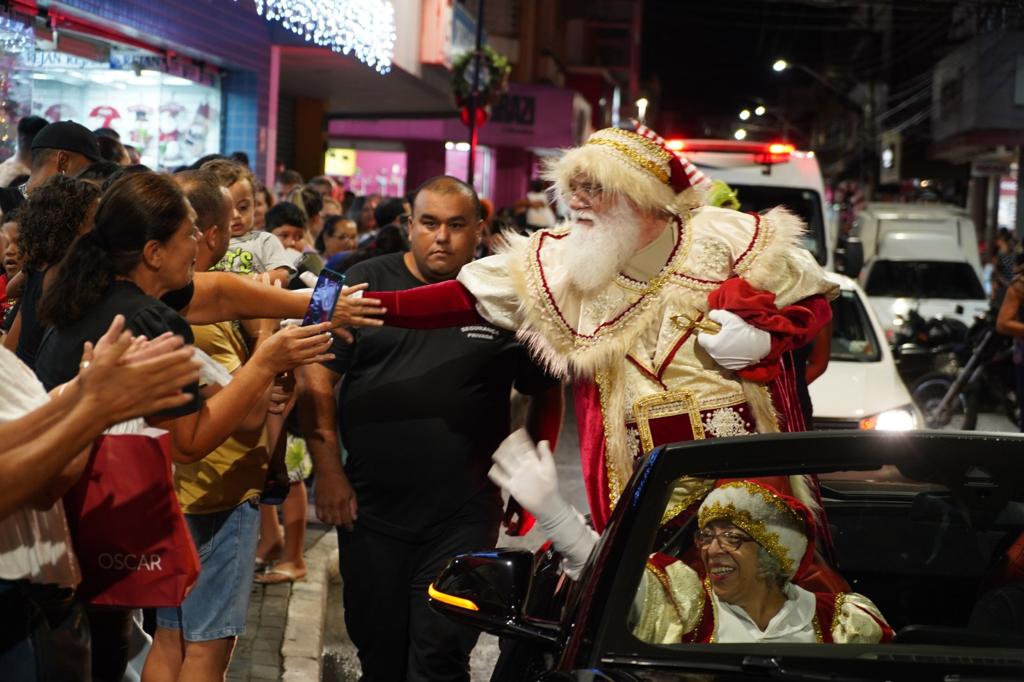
(896, 419)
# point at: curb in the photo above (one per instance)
(302, 648)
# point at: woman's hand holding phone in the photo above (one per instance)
(294, 346)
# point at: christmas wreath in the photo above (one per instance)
(494, 70)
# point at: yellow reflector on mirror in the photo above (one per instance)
(452, 600)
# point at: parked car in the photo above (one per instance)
(928, 525)
(861, 388)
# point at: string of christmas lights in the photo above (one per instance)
(364, 28)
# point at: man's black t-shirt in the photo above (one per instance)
(61, 350)
(421, 412)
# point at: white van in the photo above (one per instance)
(765, 175)
(920, 256)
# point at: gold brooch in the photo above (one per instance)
(702, 325)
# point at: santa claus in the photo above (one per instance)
(668, 317)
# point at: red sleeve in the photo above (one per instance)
(791, 327)
(445, 304)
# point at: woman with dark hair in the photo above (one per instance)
(53, 216)
(143, 245)
(339, 237)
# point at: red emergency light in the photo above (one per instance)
(763, 152)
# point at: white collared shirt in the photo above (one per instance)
(793, 623)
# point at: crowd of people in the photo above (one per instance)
(117, 277)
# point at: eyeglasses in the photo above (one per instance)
(727, 539)
(587, 192)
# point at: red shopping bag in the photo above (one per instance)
(130, 536)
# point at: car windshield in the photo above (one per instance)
(806, 203)
(853, 339)
(923, 551)
(923, 279)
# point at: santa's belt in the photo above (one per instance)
(675, 416)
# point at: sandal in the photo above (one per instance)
(277, 576)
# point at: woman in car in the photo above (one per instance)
(752, 541)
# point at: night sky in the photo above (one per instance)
(714, 58)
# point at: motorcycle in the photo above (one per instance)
(984, 381)
(921, 347)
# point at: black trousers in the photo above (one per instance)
(398, 636)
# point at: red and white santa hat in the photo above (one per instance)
(780, 523)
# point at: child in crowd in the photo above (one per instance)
(12, 260)
(287, 222)
(283, 549)
(249, 251)
(311, 203)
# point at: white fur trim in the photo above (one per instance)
(617, 177)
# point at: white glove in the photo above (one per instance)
(528, 474)
(738, 344)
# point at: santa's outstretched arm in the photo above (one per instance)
(483, 292)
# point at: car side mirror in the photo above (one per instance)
(849, 257)
(488, 590)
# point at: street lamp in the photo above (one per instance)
(759, 111)
(641, 108)
(745, 114)
(781, 65)
(740, 134)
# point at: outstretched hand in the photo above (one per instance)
(353, 310)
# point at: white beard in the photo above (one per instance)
(594, 254)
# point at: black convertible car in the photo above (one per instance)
(927, 525)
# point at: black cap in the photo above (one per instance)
(70, 137)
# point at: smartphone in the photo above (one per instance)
(324, 298)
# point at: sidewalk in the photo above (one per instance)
(258, 655)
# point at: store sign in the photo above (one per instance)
(45, 60)
(338, 161)
(515, 110)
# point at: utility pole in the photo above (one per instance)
(474, 99)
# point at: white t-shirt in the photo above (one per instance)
(34, 545)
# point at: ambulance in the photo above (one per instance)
(765, 175)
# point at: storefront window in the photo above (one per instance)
(171, 121)
(16, 49)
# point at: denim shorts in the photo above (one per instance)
(217, 605)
